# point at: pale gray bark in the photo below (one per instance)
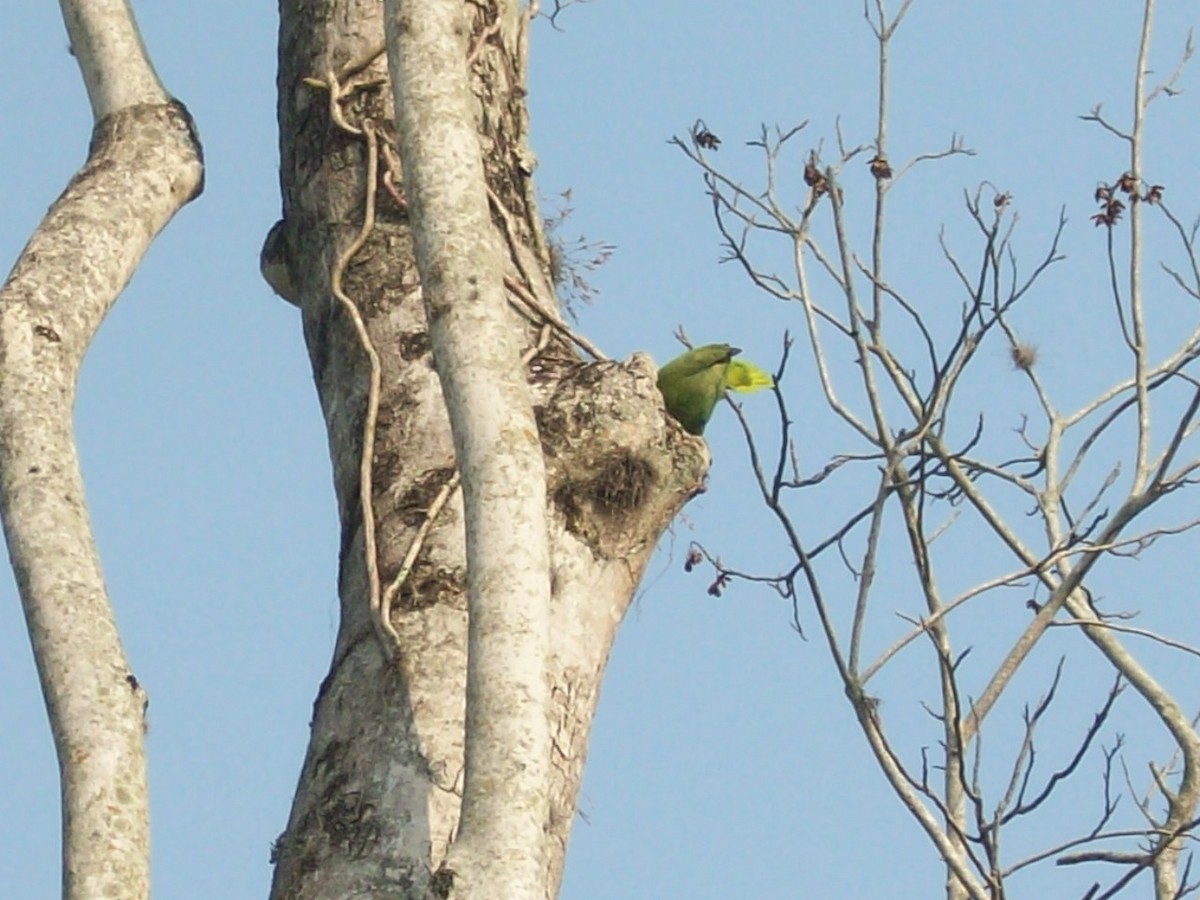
(116, 68)
(505, 788)
(377, 811)
(144, 164)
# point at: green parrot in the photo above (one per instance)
(692, 384)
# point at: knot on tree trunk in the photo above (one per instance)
(617, 468)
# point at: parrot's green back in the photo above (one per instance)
(692, 384)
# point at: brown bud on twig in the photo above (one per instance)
(880, 168)
(1109, 214)
(1110, 207)
(704, 138)
(1023, 356)
(718, 586)
(813, 176)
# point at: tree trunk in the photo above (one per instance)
(143, 165)
(378, 809)
(474, 341)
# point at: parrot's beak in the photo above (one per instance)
(734, 351)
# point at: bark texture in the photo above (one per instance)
(379, 802)
(143, 165)
(483, 379)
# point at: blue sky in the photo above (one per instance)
(725, 761)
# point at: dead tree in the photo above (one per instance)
(1059, 495)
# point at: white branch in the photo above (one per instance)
(143, 166)
(478, 359)
(116, 69)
